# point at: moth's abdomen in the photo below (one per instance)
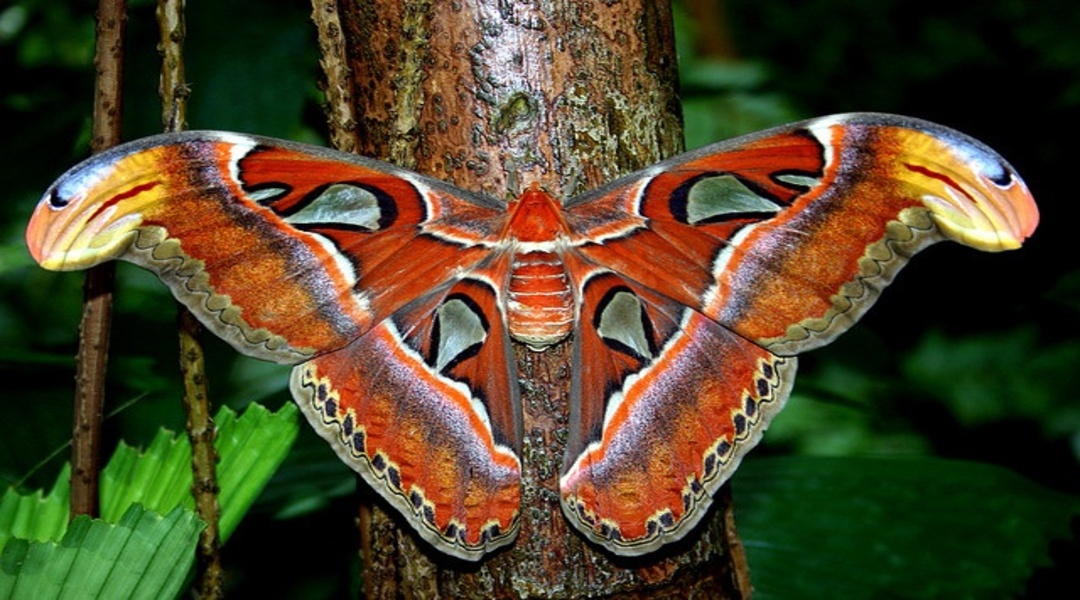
(540, 307)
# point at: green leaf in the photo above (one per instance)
(142, 554)
(251, 448)
(256, 445)
(36, 516)
(309, 480)
(145, 555)
(861, 528)
(159, 477)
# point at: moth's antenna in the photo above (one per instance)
(513, 181)
(574, 179)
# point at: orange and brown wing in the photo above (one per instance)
(371, 278)
(702, 277)
(284, 250)
(668, 403)
(425, 408)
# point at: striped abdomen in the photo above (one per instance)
(540, 309)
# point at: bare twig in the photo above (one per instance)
(340, 118)
(97, 289)
(200, 425)
(335, 67)
(201, 432)
(172, 87)
(108, 61)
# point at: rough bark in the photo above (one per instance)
(493, 95)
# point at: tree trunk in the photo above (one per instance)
(493, 95)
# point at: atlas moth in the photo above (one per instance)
(686, 290)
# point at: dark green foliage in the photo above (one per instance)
(908, 528)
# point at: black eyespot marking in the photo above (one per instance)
(650, 527)
(489, 533)
(582, 514)
(1002, 178)
(394, 477)
(762, 388)
(740, 424)
(710, 465)
(723, 448)
(749, 407)
(605, 530)
(56, 201)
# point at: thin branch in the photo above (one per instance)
(200, 425)
(93, 354)
(172, 88)
(711, 19)
(337, 86)
(109, 62)
(201, 432)
(341, 121)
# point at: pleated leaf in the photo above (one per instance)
(36, 516)
(912, 528)
(144, 555)
(250, 448)
(132, 551)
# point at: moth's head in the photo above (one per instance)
(92, 213)
(973, 195)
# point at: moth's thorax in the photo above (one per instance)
(540, 307)
(535, 217)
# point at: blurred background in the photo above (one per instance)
(968, 356)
